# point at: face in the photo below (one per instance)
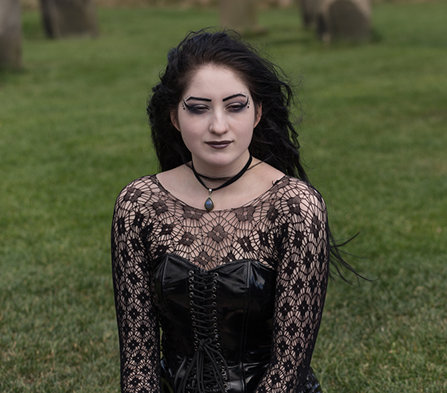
(216, 117)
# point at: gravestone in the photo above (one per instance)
(344, 19)
(10, 34)
(309, 11)
(239, 15)
(64, 18)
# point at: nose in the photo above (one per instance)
(218, 124)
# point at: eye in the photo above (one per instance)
(195, 108)
(236, 106)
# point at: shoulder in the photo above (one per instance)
(293, 187)
(294, 197)
(137, 192)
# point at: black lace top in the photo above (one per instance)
(283, 232)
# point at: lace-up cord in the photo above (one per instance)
(207, 369)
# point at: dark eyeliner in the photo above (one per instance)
(237, 106)
(196, 109)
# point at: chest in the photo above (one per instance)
(209, 241)
(232, 305)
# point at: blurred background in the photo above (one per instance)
(371, 87)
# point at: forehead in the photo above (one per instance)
(214, 81)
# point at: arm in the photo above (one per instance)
(300, 290)
(137, 321)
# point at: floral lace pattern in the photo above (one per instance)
(285, 228)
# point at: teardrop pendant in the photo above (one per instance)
(209, 204)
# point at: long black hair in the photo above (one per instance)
(275, 139)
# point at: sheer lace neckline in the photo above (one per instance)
(249, 203)
(283, 229)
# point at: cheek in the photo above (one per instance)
(190, 130)
(189, 126)
(246, 132)
(183, 122)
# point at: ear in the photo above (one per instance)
(258, 114)
(174, 119)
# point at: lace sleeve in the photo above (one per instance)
(300, 291)
(137, 321)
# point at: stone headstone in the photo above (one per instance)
(64, 18)
(239, 15)
(309, 11)
(10, 34)
(344, 19)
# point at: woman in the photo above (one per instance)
(226, 250)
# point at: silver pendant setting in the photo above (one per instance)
(209, 204)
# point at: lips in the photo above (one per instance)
(218, 144)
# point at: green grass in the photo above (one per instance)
(73, 132)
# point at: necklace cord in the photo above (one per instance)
(220, 178)
(209, 204)
(231, 180)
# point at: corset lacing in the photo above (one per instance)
(207, 369)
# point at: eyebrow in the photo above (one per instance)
(198, 99)
(234, 96)
(209, 100)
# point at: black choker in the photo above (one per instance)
(209, 204)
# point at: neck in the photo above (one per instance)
(230, 180)
(209, 204)
(219, 172)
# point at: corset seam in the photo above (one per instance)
(245, 323)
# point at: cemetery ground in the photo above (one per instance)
(74, 131)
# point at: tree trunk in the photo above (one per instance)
(64, 18)
(10, 34)
(344, 19)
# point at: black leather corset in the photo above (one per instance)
(217, 324)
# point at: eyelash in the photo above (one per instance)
(234, 107)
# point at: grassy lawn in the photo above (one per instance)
(73, 132)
